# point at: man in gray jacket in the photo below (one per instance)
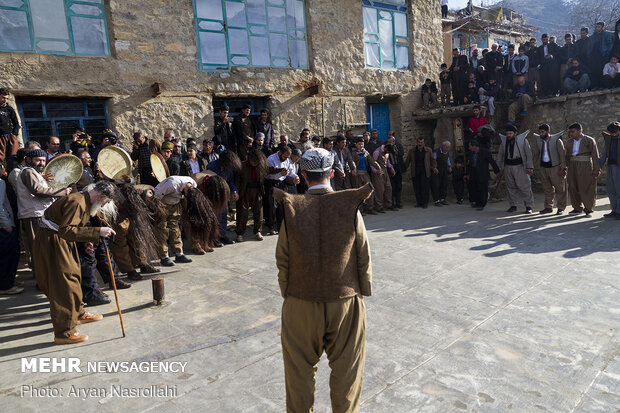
(516, 165)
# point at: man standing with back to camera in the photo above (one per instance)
(323, 307)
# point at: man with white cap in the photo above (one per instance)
(323, 307)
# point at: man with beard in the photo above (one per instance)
(477, 173)
(226, 167)
(599, 47)
(584, 167)
(548, 57)
(135, 241)
(57, 261)
(244, 130)
(516, 163)
(422, 163)
(552, 168)
(251, 186)
(280, 167)
(34, 196)
(380, 179)
(224, 130)
(363, 162)
(171, 191)
(142, 149)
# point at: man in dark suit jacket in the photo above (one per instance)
(548, 56)
(477, 174)
(245, 131)
(459, 72)
(224, 131)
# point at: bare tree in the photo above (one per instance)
(586, 13)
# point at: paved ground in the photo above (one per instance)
(471, 311)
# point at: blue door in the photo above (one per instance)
(379, 118)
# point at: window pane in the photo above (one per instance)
(48, 19)
(386, 39)
(400, 24)
(235, 14)
(65, 128)
(38, 131)
(258, 30)
(213, 48)
(89, 36)
(256, 11)
(65, 109)
(279, 45)
(371, 52)
(300, 22)
(209, 25)
(209, 9)
(11, 3)
(85, 9)
(14, 33)
(370, 20)
(260, 51)
(53, 46)
(95, 128)
(299, 55)
(402, 57)
(96, 109)
(238, 41)
(276, 19)
(32, 110)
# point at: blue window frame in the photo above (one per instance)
(386, 34)
(68, 27)
(42, 118)
(254, 33)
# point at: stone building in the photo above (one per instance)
(159, 64)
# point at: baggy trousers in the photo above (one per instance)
(29, 229)
(362, 178)
(168, 231)
(519, 185)
(613, 187)
(308, 328)
(581, 185)
(252, 199)
(383, 190)
(554, 186)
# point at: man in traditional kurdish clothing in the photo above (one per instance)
(34, 196)
(552, 168)
(583, 161)
(422, 162)
(323, 306)
(381, 180)
(611, 156)
(251, 186)
(516, 163)
(58, 264)
(171, 191)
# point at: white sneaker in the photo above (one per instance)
(259, 236)
(13, 290)
(239, 238)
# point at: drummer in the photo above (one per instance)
(34, 195)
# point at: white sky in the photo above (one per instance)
(459, 4)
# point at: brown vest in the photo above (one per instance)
(321, 238)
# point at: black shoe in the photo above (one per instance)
(612, 214)
(546, 211)
(399, 206)
(134, 276)
(217, 244)
(166, 262)
(381, 211)
(437, 203)
(226, 241)
(528, 210)
(575, 212)
(182, 259)
(393, 208)
(98, 299)
(459, 201)
(444, 202)
(371, 212)
(480, 208)
(560, 212)
(512, 209)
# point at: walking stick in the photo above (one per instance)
(499, 182)
(107, 252)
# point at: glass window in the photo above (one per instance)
(75, 27)
(256, 33)
(386, 34)
(43, 118)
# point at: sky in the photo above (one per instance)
(459, 4)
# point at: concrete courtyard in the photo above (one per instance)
(471, 311)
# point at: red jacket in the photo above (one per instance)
(475, 123)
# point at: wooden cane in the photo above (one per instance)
(107, 252)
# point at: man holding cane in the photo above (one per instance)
(57, 261)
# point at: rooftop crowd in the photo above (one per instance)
(527, 71)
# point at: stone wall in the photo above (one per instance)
(155, 42)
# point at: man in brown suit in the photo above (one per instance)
(323, 307)
(346, 161)
(57, 261)
(380, 178)
(583, 161)
(552, 168)
(422, 163)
